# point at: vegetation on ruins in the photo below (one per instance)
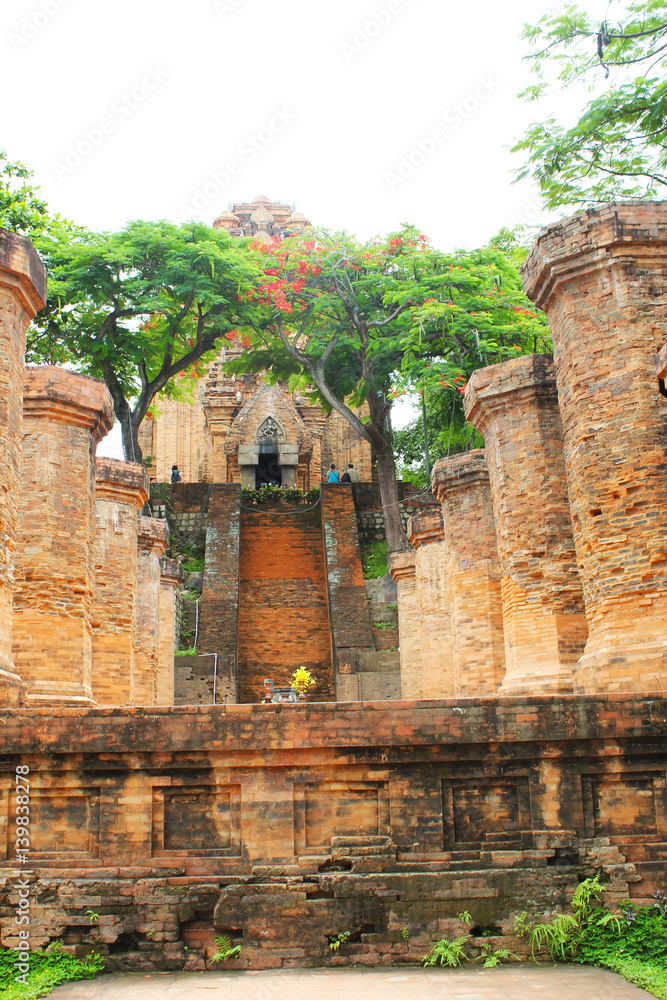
(618, 146)
(374, 559)
(361, 324)
(226, 949)
(48, 969)
(143, 309)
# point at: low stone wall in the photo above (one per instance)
(283, 826)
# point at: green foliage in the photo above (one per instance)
(48, 969)
(92, 916)
(193, 564)
(466, 918)
(561, 937)
(190, 651)
(639, 934)
(281, 494)
(374, 560)
(383, 626)
(405, 934)
(445, 952)
(140, 307)
(617, 147)
(21, 210)
(646, 975)
(522, 926)
(338, 940)
(494, 958)
(226, 949)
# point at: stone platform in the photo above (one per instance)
(283, 826)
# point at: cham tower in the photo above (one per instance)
(240, 429)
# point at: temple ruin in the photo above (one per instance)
(522, 744)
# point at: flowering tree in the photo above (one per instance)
(142, 309)
(363, 323)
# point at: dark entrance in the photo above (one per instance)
(268, 470)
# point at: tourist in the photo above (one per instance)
(175, 474)
(333, 475)
(350, 475)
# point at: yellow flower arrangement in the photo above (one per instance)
(301, 674)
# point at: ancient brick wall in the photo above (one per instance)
(171, 577)
(219, 604)
(515, 406)
(153, 541)
(600, 277)
(22, 295)
(283, 604)
(426, 532)
(120, 490)
(312, 819)
(402, 569)
(350, 624)
(65, 415)
(461, 484)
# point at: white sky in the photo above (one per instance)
(125, 110)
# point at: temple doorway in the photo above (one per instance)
(268, 471)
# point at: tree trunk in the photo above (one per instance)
(396, 538)
(129, 433)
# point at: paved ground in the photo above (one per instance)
(508, 983)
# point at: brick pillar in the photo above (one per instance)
(426, 532)
(402, 569)
(601, 277)
(22, 295)
(64, 417)
(120, 490)
(461, 484)
(153, 539)
(171, 576)
(515, 406)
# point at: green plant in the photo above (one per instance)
(374, 560)
(338, 940)
(445, 952)
(563, 936)
(465, 918)
(405, 934)
(92, 916)
(226, 949)
(48, 969)
(383, 625)
(522, 927)
(492, 957)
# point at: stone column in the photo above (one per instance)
(461, 484)
(402, 569)
(171, 576)
(121, 488)
(22, 295)
(515, 406)
(153, 541)
(426, 532)
(64, 417)
(601, 277)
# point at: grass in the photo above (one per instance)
(374, 560)
(48, 969)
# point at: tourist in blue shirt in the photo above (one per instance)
(333, 475)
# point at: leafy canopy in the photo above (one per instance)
(140, 307)
(618, 147)
(21, 210)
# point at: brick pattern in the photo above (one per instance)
(600, 276)
(283, 607)
(378, 816)
(426, 532)
(153, 542)
(350, 624)
(402, 569)
(461, 484)
(121, 488)
(65, 415)
(219, 603)
(171, 577)
(22, 295)
(515, 406)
